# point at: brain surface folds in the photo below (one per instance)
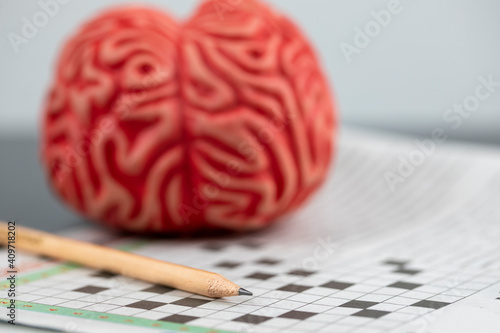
(225, 121)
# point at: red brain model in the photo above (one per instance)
(225, 121)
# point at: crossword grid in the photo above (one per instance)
(381, 294)
(433, 259)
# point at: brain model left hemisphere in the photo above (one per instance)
(225, 121)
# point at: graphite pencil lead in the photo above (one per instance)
(244, 292)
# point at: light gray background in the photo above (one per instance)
(426, 59)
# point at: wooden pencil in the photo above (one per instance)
(132, 265)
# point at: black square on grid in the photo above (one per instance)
(337, 285)
(358, 304)
(395, 262)
(260, 276)
(294, 288)
(300, 315)
(228, 264)
(300, 272)
(104, 274)
(191, 302)
(157, 289)
(179, 319)
(430, 304)
(403, 270)
(90, 289)
(146, 305)
(268, 261)
(404, 285)
(251, 319)
(370, 313)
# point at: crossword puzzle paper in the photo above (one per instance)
(360, 257)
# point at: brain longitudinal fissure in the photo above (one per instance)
(153, 125)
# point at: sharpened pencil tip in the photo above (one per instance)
(244, 292)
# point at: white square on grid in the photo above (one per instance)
(235, 326)
(165, 298)
(67, 285)
(459, 292)
(304, 298)
(216, 305)
(362, 288)
(125, 311)
(342, 311)
(71, 295)
(179, 293)
(151, 314)
(171, 308)
(445, 298)
(320, 291)
(260, 301)
(367, 330)
(75, 304)
(53, 300)
(197, 312)
(243, 308)
(316, 308)
(309, 325)
(45, 292)
(278, 294)
(432, 289)
(374, 298)
(473, 285)
(390, 291)
(386, 307)
(42, 283)
(282, 323)
(115, 292)
(348, 295)
(205, 322)
(415, 310)
(100, 307)
(353, 320)
(401, 300)
(26, 288)
(353, 278)
(416, 294)
(399, 316)
(378, 281)
(95, 298)
(28, 297)
(223, 315)
(140, 295)
(270, 311)
(120, 301)
(272, 285)
(384, 324)
(288, 305)
(331, 301)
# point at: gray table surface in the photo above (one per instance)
(26, 197)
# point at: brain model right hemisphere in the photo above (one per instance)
(225, 121)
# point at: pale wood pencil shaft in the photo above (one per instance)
(155, 271)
